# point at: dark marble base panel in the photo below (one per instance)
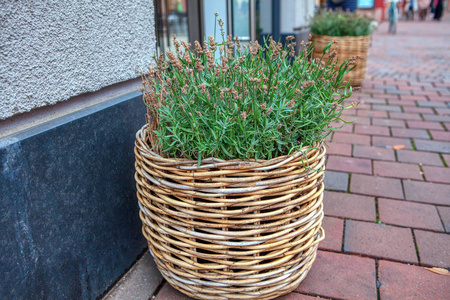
(69, 224)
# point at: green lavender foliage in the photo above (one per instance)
(339, 23)
(256, 102)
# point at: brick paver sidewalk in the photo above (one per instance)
(387, 203)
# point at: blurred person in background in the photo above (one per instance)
(410, 8)
(423, 9)
(438, 8)
(392, 15)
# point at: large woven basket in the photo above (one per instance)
(231, 229)
(348, 46)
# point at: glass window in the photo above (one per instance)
(172, 18)
(241, 19)
(263, 19)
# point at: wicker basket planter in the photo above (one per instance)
(349, 46)
(231, 229)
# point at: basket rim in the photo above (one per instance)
(212, 162)
(342, 36)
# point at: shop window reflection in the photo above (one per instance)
(172, 18)
(241, 20)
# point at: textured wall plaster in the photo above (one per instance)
(51, 51)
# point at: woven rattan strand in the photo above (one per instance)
(231, 229)
(348, 46)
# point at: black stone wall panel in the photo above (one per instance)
(69, 224)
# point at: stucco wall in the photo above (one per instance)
(54, 50)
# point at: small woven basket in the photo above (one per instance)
(348, 46)
(231, 229)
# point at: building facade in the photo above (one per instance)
(248, 19)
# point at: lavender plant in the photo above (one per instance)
(255, 102)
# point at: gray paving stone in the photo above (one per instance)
(140, 283)
(432, 146)
(336, 181)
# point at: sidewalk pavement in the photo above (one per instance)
(387, 203)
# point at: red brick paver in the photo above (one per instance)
(334, 229)
(410, 133)
(397, 170)
(376, 186)
(437, 174)
(349, 206)
(297, 296)
(390, 142)
(427, 192)
(351, 138)
(342, 276)
(400, 281)
(405, 116)
(424, 125)
(446, 159)
(434, 248)
(372, 130)
(425, 158)
(373, 152)
(409, 214)
(379, 240)
(440, 135)
(349, 164)
(388, 122)
(421, 110)
(372, 113)
(444, 213)
(339, 149)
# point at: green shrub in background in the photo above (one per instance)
(254, 102)
(339, 23)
